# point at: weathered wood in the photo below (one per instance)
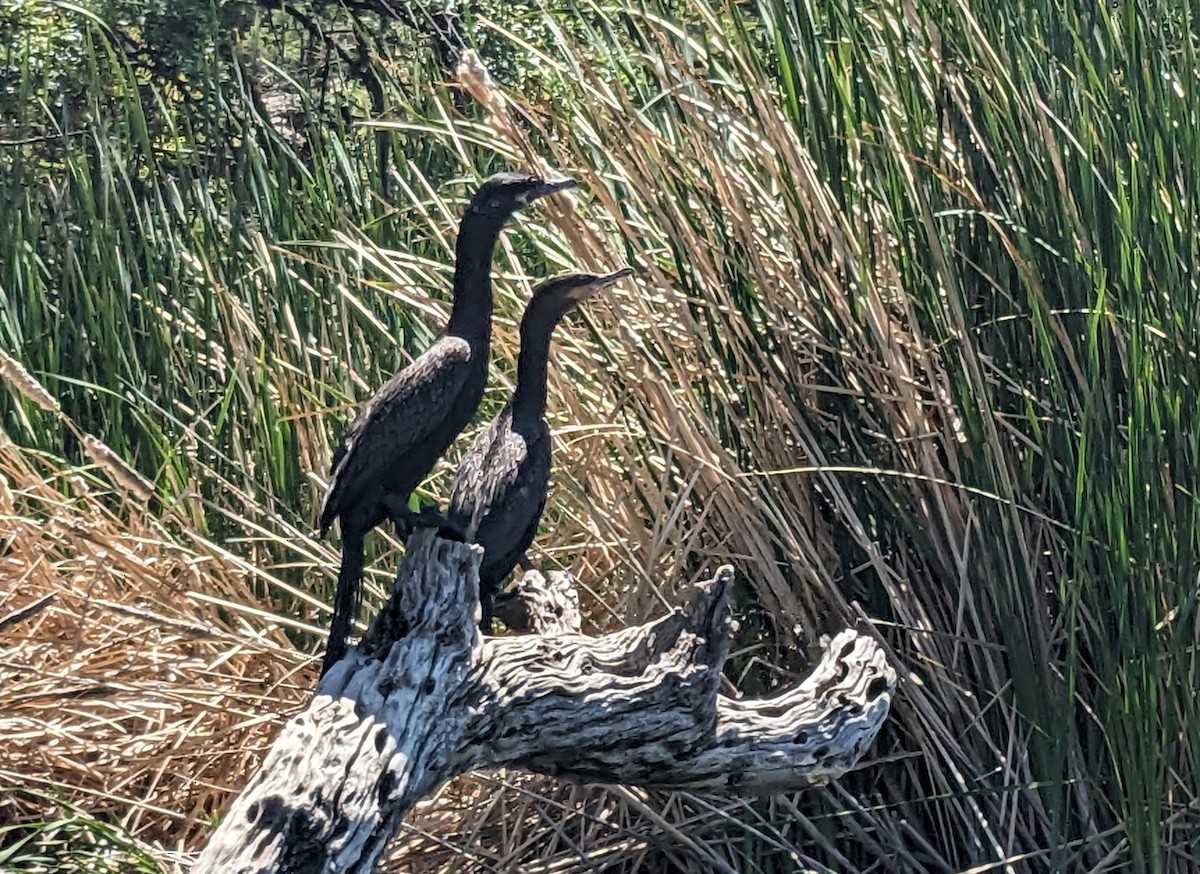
(423, 698)
(546, 605)
(376, 738)
(587, 708)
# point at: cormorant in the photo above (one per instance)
(399, 434)
(499, 489)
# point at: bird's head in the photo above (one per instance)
(505, 193)
(570, 289)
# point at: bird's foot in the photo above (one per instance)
(512, 610)
(408, 520)
(404, 517)
(486, 614)
(396, 508)
(447, 528)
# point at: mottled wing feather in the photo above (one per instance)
(499, 492)
(401, 415)
(352, 432)
(487, 472)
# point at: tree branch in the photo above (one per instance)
(546, 605)
(423, 699)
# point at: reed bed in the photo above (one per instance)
(913, 338)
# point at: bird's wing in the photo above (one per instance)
(489, 477)
(401, 415)
(509, 523)
(504, 557)
(500, 487)
(353, 432)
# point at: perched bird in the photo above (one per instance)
(499, 489)
(399, 434)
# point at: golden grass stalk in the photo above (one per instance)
(26, 385)
(120, 472)
(472, 74)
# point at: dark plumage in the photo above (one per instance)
(499, 489)
(399, 434)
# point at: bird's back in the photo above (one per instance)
(399, 434)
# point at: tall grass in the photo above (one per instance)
(915, 336)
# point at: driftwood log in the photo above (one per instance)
(424, 698)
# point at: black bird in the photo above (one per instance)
(399, 434)
(499, 489)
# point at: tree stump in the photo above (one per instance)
(423, 698)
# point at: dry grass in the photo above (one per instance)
(134, 684)
(701, 440)
(855, 363)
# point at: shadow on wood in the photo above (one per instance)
(424, 698)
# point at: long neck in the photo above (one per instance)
(537, 326)
(471, 316)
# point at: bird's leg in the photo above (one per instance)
(400, 513)
(525, 564)
(407, 520)
(447, 528)
(511, 609)
(486, 614)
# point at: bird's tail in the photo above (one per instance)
(346, 599)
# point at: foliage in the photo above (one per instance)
(75, 842)
(916, 335)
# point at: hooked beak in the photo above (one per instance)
(613, 278)
(603, 282)
(548, 188)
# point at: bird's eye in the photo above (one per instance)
(494, 203)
